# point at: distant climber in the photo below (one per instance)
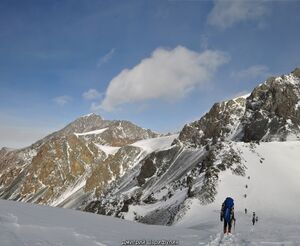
(256, 219)
(227, 214)
(253, 218)
(246, 210)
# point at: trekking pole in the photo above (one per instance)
(234, 225)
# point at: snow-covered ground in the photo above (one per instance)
(32, 225)
(271, 186)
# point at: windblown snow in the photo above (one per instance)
(155, 144)
(242, 96)
(91, 132)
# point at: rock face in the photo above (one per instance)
(273, 109)
(270, 112)
(111, 168)
(120, 133)
(221, 122)
(119, 169)
(70, 160)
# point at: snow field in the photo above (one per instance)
(32, 225)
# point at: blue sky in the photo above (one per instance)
(159, 64)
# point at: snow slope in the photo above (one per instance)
(272, 178)
(33, 225)
(271, 186)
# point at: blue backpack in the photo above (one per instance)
(228, 205)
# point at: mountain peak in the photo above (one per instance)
(292, 78)
(91, 115)
(270, 112)
(84, 123)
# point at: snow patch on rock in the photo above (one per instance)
(91, 132)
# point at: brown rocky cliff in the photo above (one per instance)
(48, 168)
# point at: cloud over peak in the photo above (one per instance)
(91, 94)
(166, 74)
(62, 100)
(227, 13)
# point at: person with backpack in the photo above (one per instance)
(227, 214)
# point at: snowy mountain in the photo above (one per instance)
(161, 188)
(64, 163)
(247, 147)
(270, 112)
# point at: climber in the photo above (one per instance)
(227, 214)
(253, 218)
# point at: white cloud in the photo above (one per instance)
(166, 74)
(227, 13)
(253, 72)
(104, 59)
(91, 94)
(62, 100)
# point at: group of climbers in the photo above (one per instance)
(227, 210)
